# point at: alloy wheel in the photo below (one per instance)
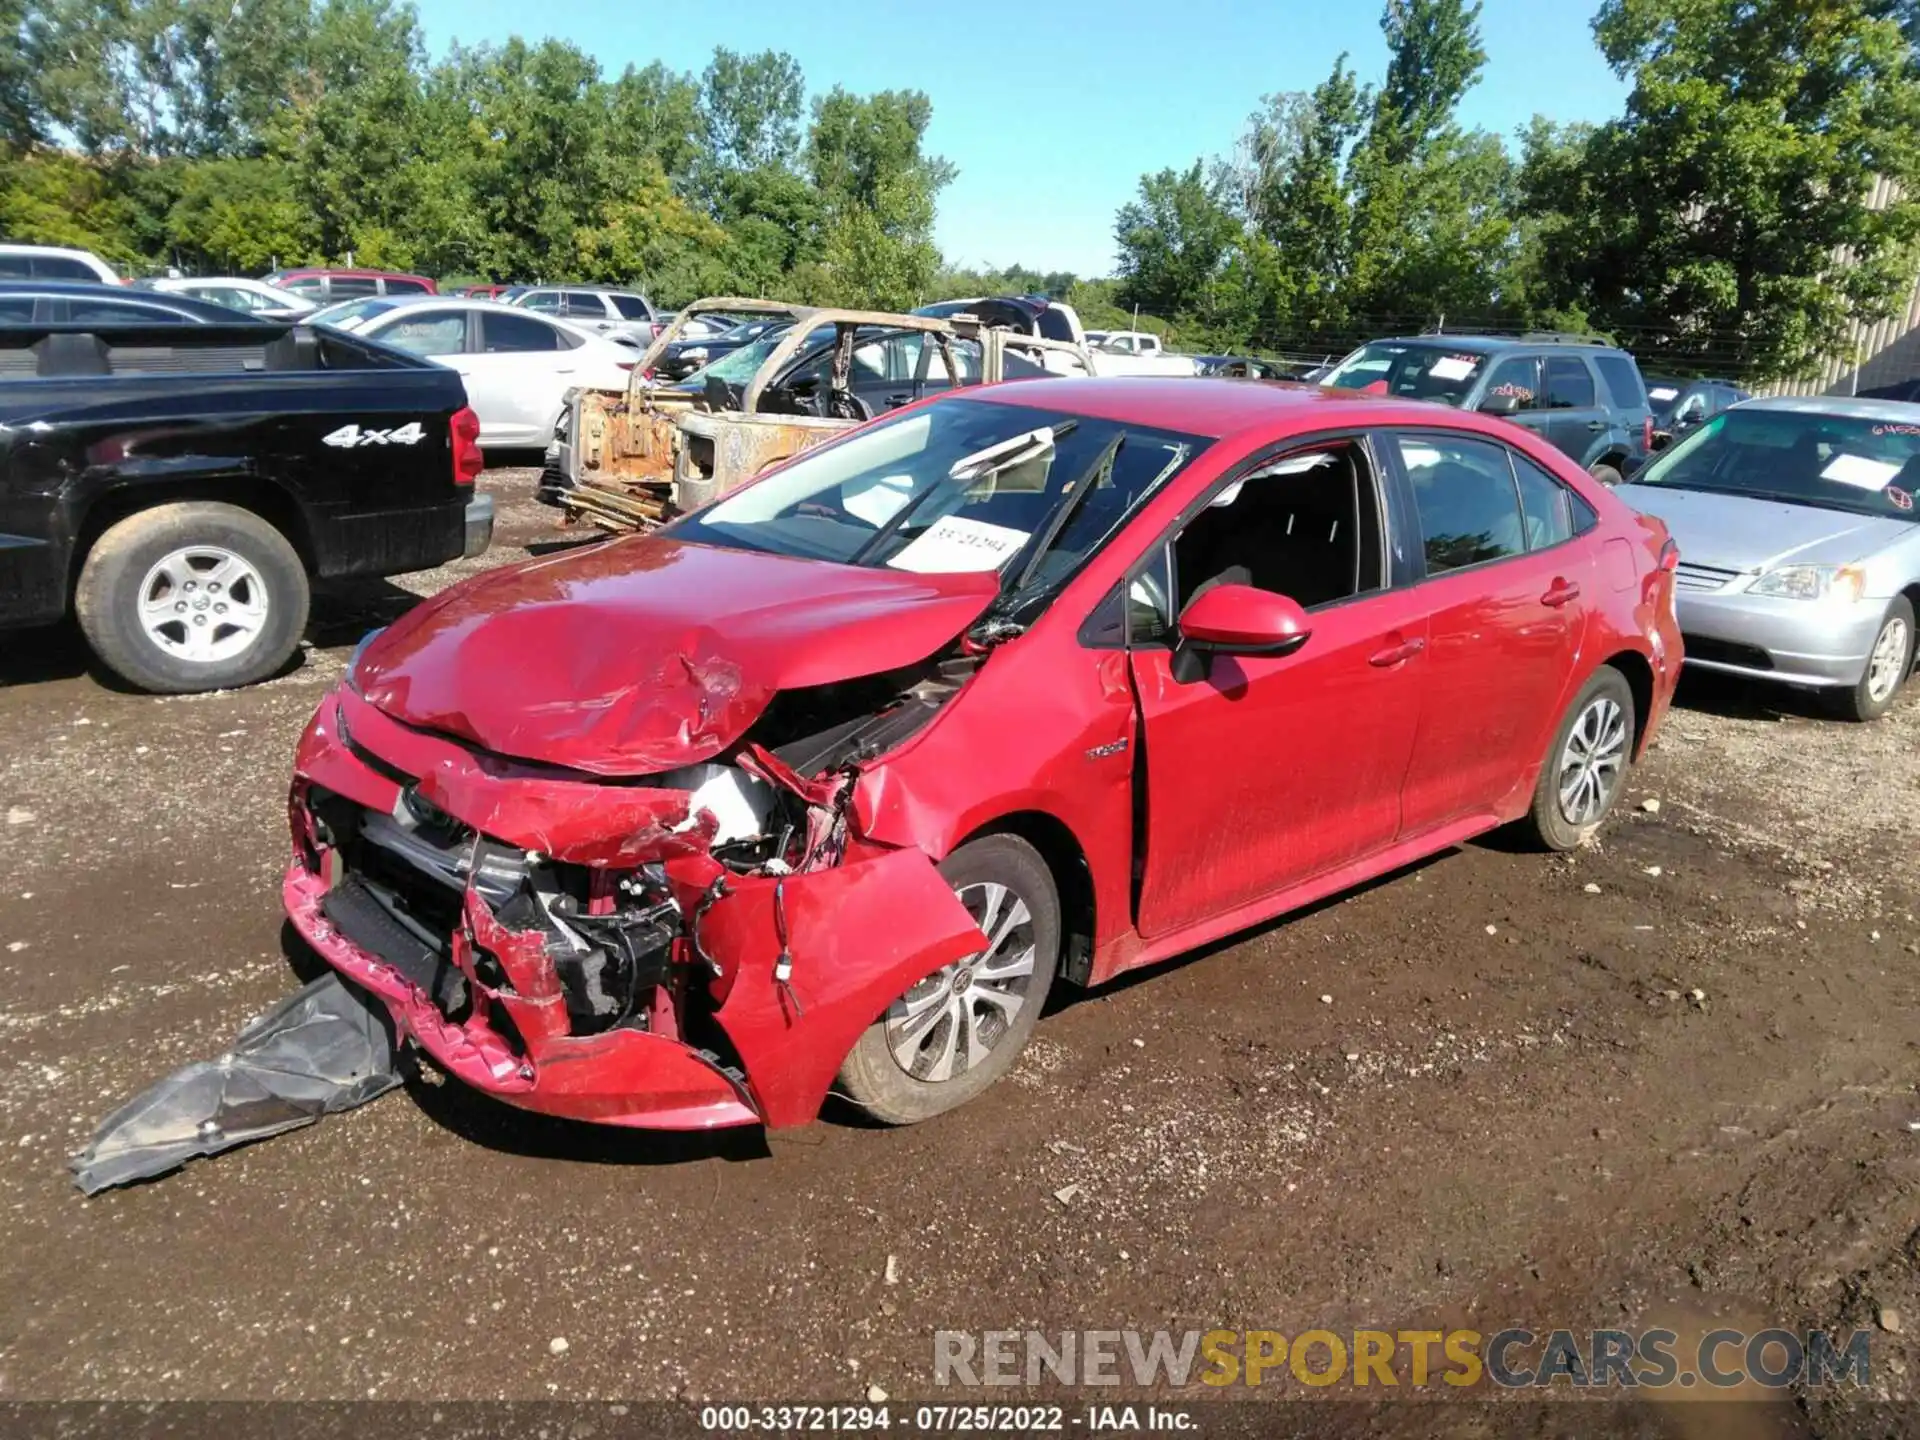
(950, 1021)
(203, 603)
(1592, 761)
(1887, 661)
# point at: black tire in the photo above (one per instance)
(1860, 703)
(1548, 821)
(876, 1081)
(108, 598)
(1607, 472)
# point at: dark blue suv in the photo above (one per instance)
(1581, 396)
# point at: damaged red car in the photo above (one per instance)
(830, 784)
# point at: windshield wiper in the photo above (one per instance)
(1068, 507)
(1002, 455)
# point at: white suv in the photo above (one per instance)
(49, 262)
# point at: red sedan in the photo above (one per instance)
(831, 782)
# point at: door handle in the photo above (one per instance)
(1561, 592)
(1596, 424)
(1395, 654)
(903, 398)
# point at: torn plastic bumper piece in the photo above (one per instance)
(323, 1049)
(622, 1077)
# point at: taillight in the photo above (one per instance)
(1646, 434)
(468, 461)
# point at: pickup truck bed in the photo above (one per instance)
(145, 470)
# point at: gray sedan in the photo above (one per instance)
(1799, 543)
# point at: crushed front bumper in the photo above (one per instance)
(848, 940)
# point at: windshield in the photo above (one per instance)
(1834, 462)
(351, 314)
(1411, 372)
(739, 366)
(962, 485)
(1662, 396)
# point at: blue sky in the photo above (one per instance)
(1053, 109)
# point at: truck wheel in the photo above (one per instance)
(1887, 666)
(960, 1029)
(1586, 769)
(192, 596)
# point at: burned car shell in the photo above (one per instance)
(546, 710)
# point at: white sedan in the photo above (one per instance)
(249, 297)
(518, 366)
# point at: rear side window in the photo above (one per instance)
(62, 267)
(508, 332)
(586, 303)
(406, 287)
(1543, 504)
(1569, 383)
(1463, 490)
(15, 267)
(1623, 381)
(631, 307)
(342, 287)
(16, 309)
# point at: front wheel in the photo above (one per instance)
(960, 1029)
(1888, 664)
(192, 596)
(1586, 768)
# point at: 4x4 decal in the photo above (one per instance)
(348, 436)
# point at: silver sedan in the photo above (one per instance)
(1799, 543)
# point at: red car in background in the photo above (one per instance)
(323, 286)
(830, 782)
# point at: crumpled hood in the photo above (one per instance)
(645, 654)
(1743, 532)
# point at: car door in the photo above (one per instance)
(1576, 425)
(518, 369)
(584, 307)
(1266, 771)
(1504, 601)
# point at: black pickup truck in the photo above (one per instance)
(179, 486)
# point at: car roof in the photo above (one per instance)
(1488, 344)
(1219, 408)
(19, 249)
(1898, 412)
(152, 299)
(350, 274)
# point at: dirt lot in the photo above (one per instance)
(1682, 1098)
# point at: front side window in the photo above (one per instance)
(345, 286)
(1569, 383)
(401, 285)
(1422, 371)
(547, 300)
(961, 486)
(442, 333)
(1464, 494)
(63, 267)
(1835, 462)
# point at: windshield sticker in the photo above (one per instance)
(1859, 471)
(954, 545)
(1518, 392)
(1896, 429)
(1453, 367)
(1900, 498)
(878, 501)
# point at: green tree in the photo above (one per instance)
(1174, 241)
(1708, 222)
(750, 108)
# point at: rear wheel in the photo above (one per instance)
(192, 596)
(1586, 768)
(1888, 665)
(960, 1029)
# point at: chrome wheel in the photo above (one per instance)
(949, 1022)
(1591, 761)
(203, 603)
(1888, 660)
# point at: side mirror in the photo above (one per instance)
(1236, 620)
(1499, 405)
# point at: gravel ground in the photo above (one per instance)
(1666, 1080)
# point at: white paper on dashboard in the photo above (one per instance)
(953, 545)
(1860, 471)
(1451, 367)
(878, 501)
(1662, 392)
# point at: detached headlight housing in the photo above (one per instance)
(1812, 582)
